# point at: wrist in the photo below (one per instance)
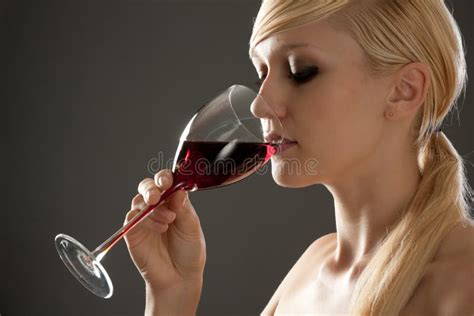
(182, 299)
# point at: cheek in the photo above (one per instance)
(341, 124)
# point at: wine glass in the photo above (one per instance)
(228, 139)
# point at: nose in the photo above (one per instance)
(260, 108)
(269, 119)
(273, 93)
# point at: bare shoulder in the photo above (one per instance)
(310, 259)
(454, 273)
(318, 250)
(447, 286)
(458, 243)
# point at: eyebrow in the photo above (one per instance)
(288, 47)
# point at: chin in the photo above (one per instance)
(284, 178)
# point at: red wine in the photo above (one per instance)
(201, 165)
(204, 165)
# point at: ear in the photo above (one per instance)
(409, 90)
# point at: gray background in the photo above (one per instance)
(91, 91)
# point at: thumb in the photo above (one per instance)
(187, 220)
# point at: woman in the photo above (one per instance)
(363, 87)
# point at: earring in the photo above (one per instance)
(390, 114)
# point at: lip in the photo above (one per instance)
(274, 137)
(285, 145)
(288, 141)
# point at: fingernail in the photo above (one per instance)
(148, 194)
(162, 180)
(185, 199)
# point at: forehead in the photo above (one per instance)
(320, 37)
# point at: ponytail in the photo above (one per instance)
(441, 202)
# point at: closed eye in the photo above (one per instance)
(298, 78)
(304, 76)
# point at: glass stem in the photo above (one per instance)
(102, 250)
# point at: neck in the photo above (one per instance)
(367, 201)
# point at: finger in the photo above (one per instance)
(164, 179)
(150, 192)
(129, 216)
(148, 223)
(138, 203)
(155, 226)
(163, 215)
(179, 201)
(187, 220)
(160, 213)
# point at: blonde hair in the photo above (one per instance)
(393, 33)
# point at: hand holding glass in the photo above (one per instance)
(227, 140)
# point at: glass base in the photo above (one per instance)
(84, 266)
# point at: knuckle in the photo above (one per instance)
(149, 189)
(170, 216)
(163, 227)
(163, 216)
(143, 185)
(152, 196)
(163, 172)
(136, 201)
(130, 214)
(162, 178)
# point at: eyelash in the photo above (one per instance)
(299, 78)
